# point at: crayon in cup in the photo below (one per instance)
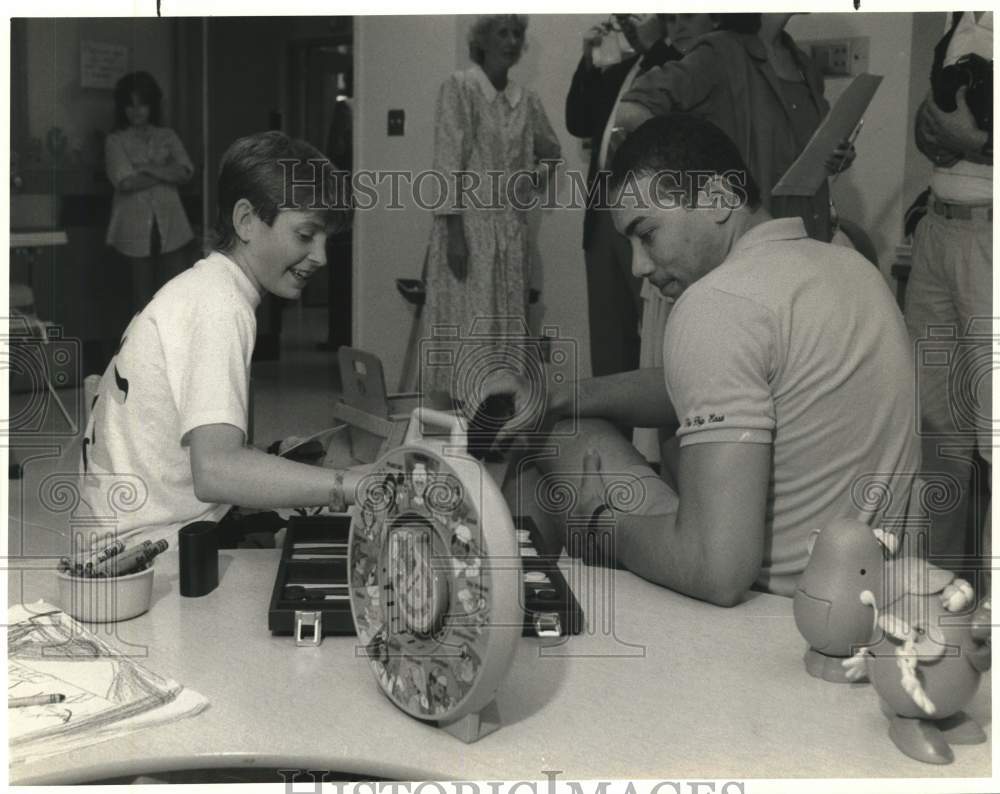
(131, 560)
(109, 551)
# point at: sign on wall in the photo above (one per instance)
(102, 64)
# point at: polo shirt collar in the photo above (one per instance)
(512, 93)
(772, 231)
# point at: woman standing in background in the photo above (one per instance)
(145, 163)
(478, 266)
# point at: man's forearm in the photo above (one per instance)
(637, 398)
(654, 548)
(661, 549)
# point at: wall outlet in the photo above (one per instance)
(840, 57)
(397, 122)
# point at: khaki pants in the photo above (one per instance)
(949, 316)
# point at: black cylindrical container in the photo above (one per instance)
(198, 549)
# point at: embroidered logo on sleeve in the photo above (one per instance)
(698, 421)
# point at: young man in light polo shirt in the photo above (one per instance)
(787, 375)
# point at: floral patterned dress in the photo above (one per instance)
(489, 135)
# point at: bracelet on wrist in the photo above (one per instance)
(338, 501)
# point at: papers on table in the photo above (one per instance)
(107, 693)
(807, 173)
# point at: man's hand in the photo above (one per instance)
(590, 495)
(530, 404)
(956, 131)
(841, 157)
(591, 40)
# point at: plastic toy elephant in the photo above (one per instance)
(846, 559)
(925, 664)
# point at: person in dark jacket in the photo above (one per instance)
(594, 93)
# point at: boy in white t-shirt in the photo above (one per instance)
(166, 444)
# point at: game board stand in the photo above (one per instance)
(377, 421)
(473, 727)
(436, 579)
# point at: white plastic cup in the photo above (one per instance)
(106, 600)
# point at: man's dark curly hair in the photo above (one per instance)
(685, 145)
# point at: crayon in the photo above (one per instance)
(124, 561)
(99, 556)
(34, 700)
(109, 551)
(158, 548)
(133, 560)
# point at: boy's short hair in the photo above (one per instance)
(275, 172)
(687, 146)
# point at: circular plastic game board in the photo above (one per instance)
(435, 576)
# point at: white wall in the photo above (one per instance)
(399, 63)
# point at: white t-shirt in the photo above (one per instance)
(183, 362)
(966, 182)
(799, 344)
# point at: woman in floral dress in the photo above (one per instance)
(490, 129)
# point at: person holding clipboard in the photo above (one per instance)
(751, 80)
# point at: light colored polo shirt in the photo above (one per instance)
(799, 344)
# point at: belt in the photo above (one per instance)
(962, 212)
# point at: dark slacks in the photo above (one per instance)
(613, 300)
